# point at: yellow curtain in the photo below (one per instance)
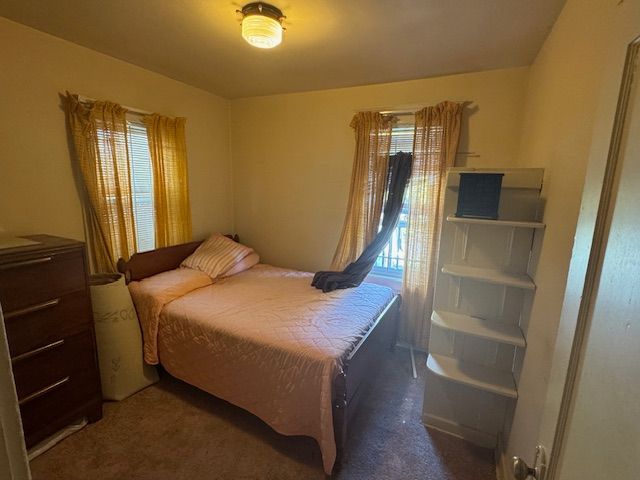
(437, 131)
(99, 132)
(170, 181)
(368, 179)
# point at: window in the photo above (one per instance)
(141, 179)
(390, 262)
(133, 168)
(142, 185)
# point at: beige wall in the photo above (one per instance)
(37, 192)
(567, 123)
(292, 154)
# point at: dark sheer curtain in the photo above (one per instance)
(355, 273)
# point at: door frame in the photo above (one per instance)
(13, 454)
(596, 255)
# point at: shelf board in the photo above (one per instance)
(478, 327)
(489, 275)
(476, 376)
(514, 178)
(495, 223)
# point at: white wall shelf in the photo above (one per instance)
(495, 223)
(482, 298)
(477, 376)
(478, 327)
(490, 275)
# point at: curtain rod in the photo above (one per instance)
(405, 111)
(85, 99)
(399, 113)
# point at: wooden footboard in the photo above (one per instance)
(351, 382)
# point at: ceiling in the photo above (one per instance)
(327, 43)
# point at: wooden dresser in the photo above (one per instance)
(44, 295)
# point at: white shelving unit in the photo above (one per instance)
(490, 275)
(476, 376)
(483, 293)
(479, 327)
(494, 223)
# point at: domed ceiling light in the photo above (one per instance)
(262, 25)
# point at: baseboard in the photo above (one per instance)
(503, 466)
(477, 437)
(56, 438)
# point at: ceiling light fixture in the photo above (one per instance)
(262, 24)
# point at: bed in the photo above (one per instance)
(266, 341)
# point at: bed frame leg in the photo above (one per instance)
(339, 407)
(339, 429)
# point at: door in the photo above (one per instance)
(598, 430)
(13, 456)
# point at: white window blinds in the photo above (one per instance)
(401, 139)
(142, 179)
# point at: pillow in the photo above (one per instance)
(216, 256)
(245, 264)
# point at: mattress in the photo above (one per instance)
(266, 341)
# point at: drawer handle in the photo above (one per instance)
(44, 391)
(37, 351)
(26, 263)
(32, 308)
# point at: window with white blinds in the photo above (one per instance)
(142, 180)
(402, 139)
(390, 262)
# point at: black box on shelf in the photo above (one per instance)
(479, 195)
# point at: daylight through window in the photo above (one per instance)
(390, 262)
(142, 185)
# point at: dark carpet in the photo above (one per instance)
(172, 431)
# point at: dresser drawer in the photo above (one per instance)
(41, 368)
(47, 322)
(25, 283)
(67, 398)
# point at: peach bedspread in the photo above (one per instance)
(264, 340)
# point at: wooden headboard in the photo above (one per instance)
(145, 264)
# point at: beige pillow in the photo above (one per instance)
(245, 264)
(216, 256)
